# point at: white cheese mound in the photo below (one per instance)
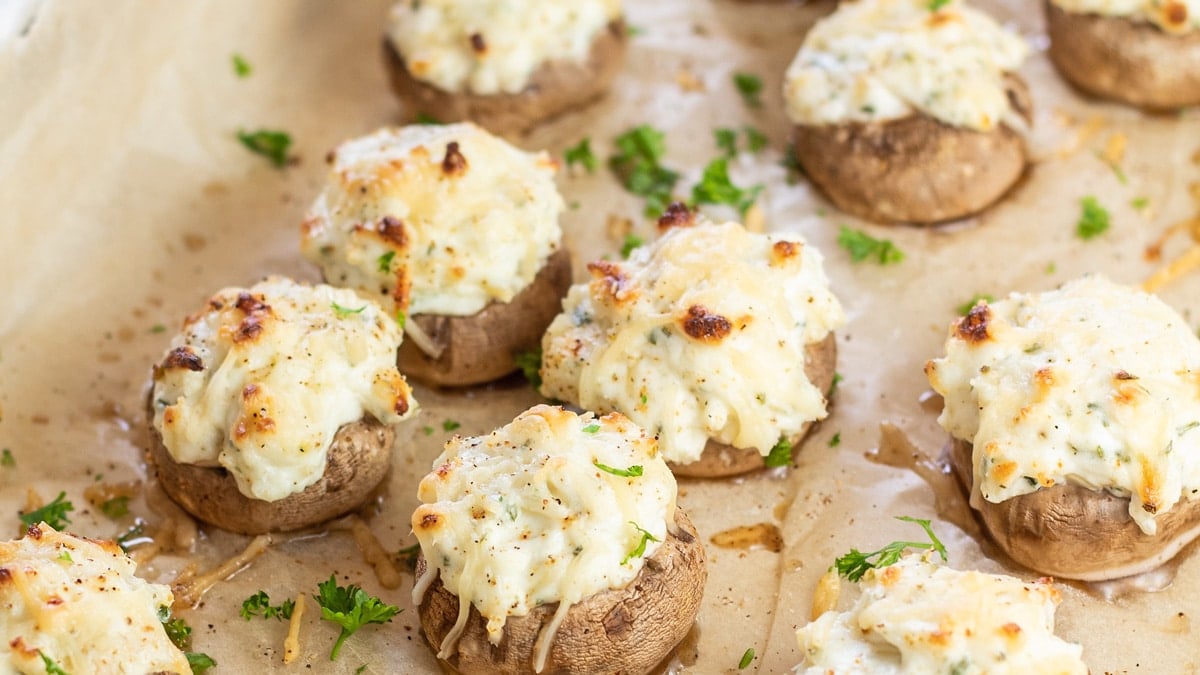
(700, 335)
(493, 46)
(916, 617)
(1172, 16)
(432, 219)
(535, 513)
(261, 380)
(77, 602)
(1095, 384)
(886, 59)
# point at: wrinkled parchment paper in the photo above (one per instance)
(125, 201)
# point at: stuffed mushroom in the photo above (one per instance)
(907, 111)
(507, 66)
(716, 340)
(1076, 419)
(453, 231)
(554, 545)
(272, 410)
(1142, 52)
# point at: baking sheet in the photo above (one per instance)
(126, 201)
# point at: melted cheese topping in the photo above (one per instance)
(700, 335)
(494, 46)
(261, 381)
(1172, 16)
(434, 219)
(1095, 384)
(919, 617)
(886, 59)
(525, 516)
(78, 602)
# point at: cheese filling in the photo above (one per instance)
(700, 335)
(78, 603)
(886, 59)
(1094, 384)
(433, 219)
(916, 616)
(261, 380)
(1172, 16)
(494, 46)
(538, 512)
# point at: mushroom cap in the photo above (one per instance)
(623, 630)
(555, 88)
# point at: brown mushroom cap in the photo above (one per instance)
(483, 347)
(1074, 532)
(915, 169)
(1130, 61)
(624, 630)
(359, 459)
(720, 460)
(555, 88)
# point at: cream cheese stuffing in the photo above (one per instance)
(1172, 16)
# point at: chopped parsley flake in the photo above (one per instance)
(716, 188)
(65, 556)
(863, 246)
(530, 364)
(631, 242)
(632, 472)
(199, 662)
(51, 667)
(833, 386)
(350, 608)
(836, 440)
(965, 308)
(241, 67)
(344, 312)
(935, 5)
(581, 154)
(408, 556)
(780, 455)
(427, 119)
(636, 165)
(640, 549)
(1139, 203)
(7, 459)
(856, 563)
(401, 318)
(158, 328)
(53, 514)
(591, 428)
(755, 139)
(178, 630)
(747, 659)
(385, 261)
(269, 143)
(750, 87)
(116, 507)
(450, 425)
(1093, 219)
(726, 140)
(259, 604)
(427, 430)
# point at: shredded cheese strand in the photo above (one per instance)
(374, 554)
(189, 592)
(1188, 262)
(291, 644)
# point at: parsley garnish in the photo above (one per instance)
(259, 604)
(53, 514)
(530, 364)
(270, 144)
(726, 140)
(636, 166)
(863, 246)
(581, 154)
(178, 630)
(640, 550)
(965, 308)
(427, 119)
(1139, 203)
(755, 139)
(351, 608)
(52, 668)
(241, 67)
(408, 556)
(591, 428)
(7, 459)
(632, 472)
(65, 556)
(836, 440)
(427, 430)
(833, 386)
(631, 242)
(450, 425)
(1093, 221)
(855, 563)
(935, 5)
(747, 659)
(385, 261)
(716, 188)
(750, 87)
(199, 662)
(343, 312)
(401, 318)
(116, 507)
(780, 455)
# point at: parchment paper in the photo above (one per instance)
(125, 201)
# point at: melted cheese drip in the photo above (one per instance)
(275, 384)
(630, 351)
(421, 233)
(523, 517)
(1094, 384)
(886, 59)
(1172, 16)
(919, 617)
(79, 603)
(437, 39)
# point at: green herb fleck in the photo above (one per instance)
(530, 364)
(117, 507)
(158, 328)
(935, 5)
(427, 119)
(65, 556)
(863, 246)
(780, 455)
(1139, 203)
(836, 440)
(360, 669)
(259, 604)
(351, 608)
(591, 428)
(51, 667)
(178, 630)
(726, 140)
(750, 87)
(1051, 267)
(716, 188)
(965, 308)
(1093, 220)
(408, 556)
(385, 261)
(1116, 168)
(343, 312)
(7, 459)
(631, 242)
(632, 472)
(450, 425)
(756, 140)
(271, 144)
(747, 659)
(581, 154)
(199, 662)
(833, 386)
(427, 430)
(856, 563)
(53, 514)
(633, 30)
(636, 165)
(241, 67)
(640, 550)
